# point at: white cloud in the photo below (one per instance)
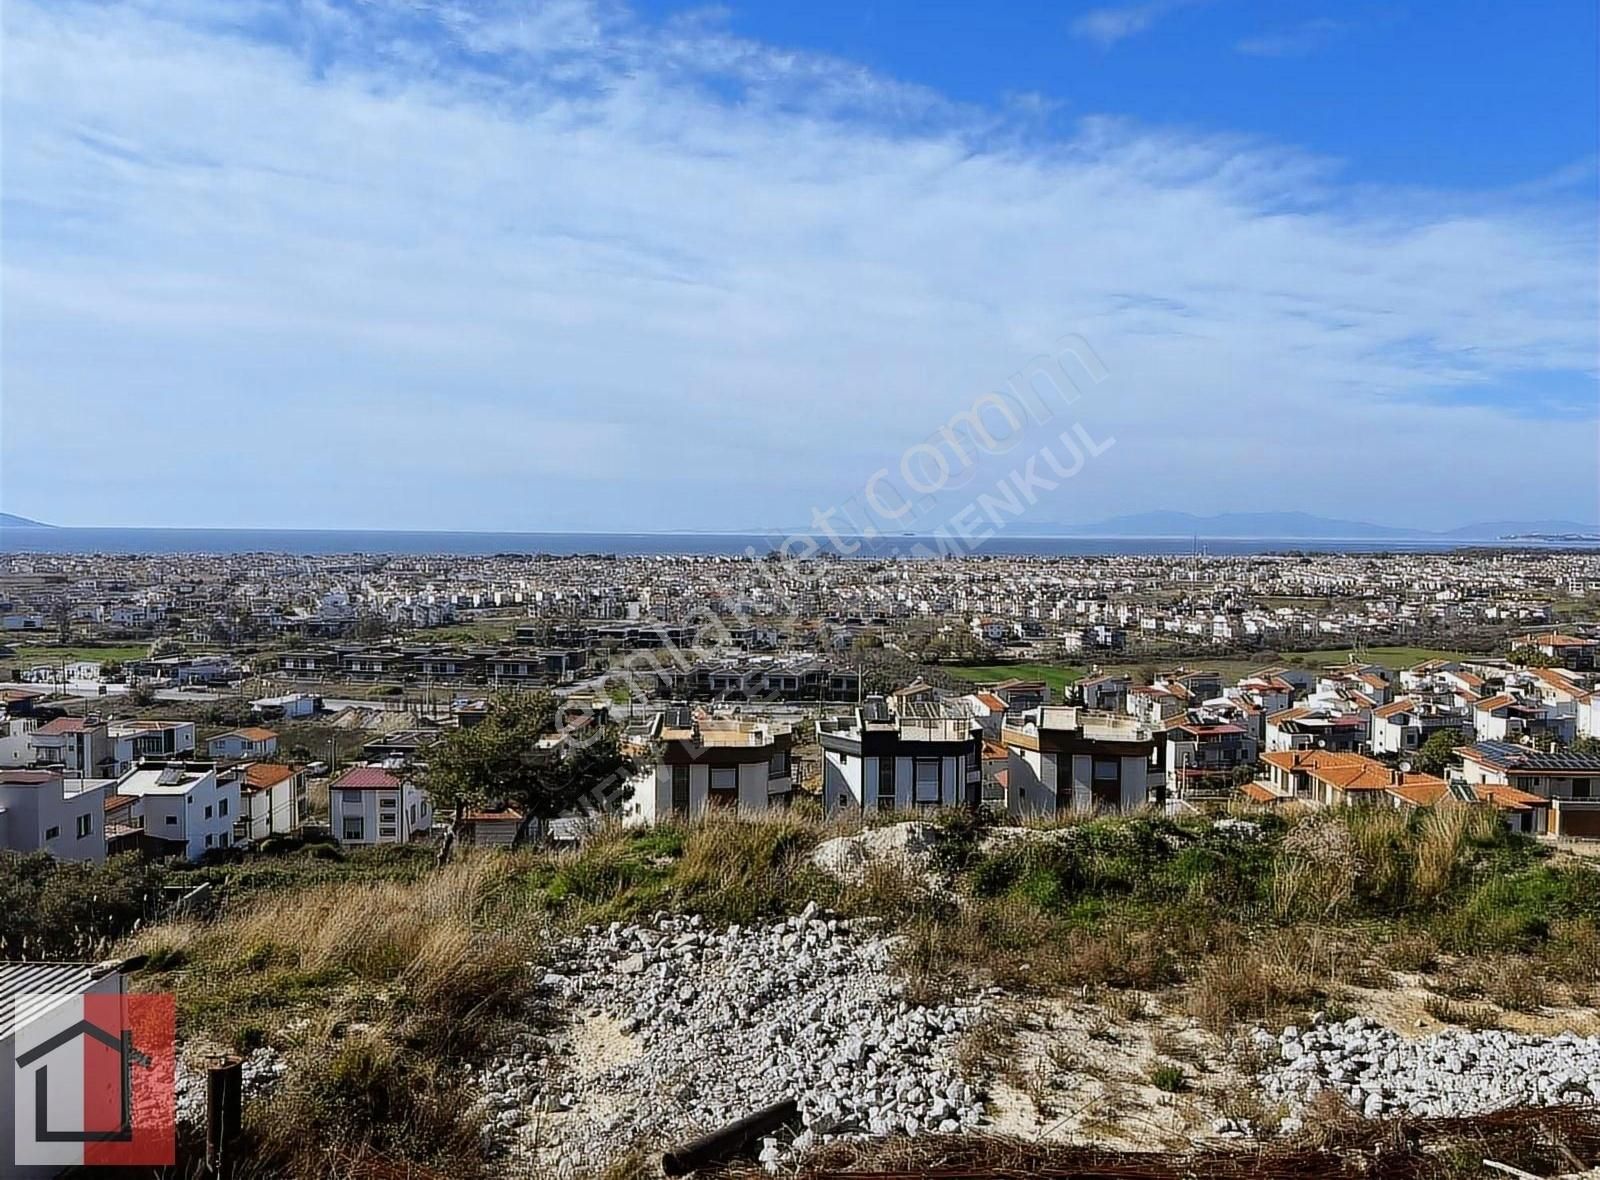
(1295, 41)
(1107, 26)
(417, 267)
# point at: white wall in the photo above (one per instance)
(410, 815)
(34, 810)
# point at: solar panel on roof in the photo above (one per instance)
(171, 776)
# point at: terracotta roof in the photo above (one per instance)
(27, 778)
(1554, 639)
(1403, 705)
(1420, 794)
(1496, 702)
(365, 778)
(990, 701)
(1346, 772)
(65, 725)
(250, 733)
(114, 802)
(508, 814)
(1508, 798)
(258, 776)
(1557, 681)
(1260, 793)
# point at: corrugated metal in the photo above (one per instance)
(45, 985)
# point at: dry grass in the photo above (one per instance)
(1470, 1016)
(1410, 950)
(1447, 829)
(1254, 980)
(373, 990)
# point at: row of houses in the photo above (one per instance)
(158, 808)
(468, 665)
(89, 747)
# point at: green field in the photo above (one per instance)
(1057, 676)
(1230, 668)
(33, 655)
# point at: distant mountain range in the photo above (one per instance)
(1290, 526)
(8, 521)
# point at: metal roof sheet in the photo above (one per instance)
(28, 990)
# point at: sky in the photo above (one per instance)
(448, 264)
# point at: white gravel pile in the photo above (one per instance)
(1450, 1074)
(259, 1073)
(682, 1029)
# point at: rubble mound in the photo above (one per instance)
(907, 847)
(678, 1029)
(1451, 1074)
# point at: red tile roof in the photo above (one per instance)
(65, 725)
(258, 776)
(365, 778)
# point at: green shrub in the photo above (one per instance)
(1169, 1077)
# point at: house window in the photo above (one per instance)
(222, 807)
(355, 828)
(386, 830)
(680, 790)
(351, 796)
(85, 826)
(208, 840)
(172, 821)
(1580, 788)
(208, 811)
(724, 786)
(885, 784)
(1106, 770)
(927, 780)
(51, 833)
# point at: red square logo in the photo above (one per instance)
(94, 1079)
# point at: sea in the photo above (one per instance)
(130, 541)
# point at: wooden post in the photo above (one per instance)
(730, 1140)
(224, 1111)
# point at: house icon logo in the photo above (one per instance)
(91, 1077)
(127, 1057)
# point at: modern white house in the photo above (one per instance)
(272, 800)
(370, 805)
(250, 742)
(1062, 758)
(43, 811)
(136, 741)
(293, 706)
(876, 759)
(181, 808)
(694, 763)
(78, 745)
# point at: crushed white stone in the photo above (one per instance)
(679, 1029)
(1449, 1074)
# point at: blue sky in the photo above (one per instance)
(590, 266)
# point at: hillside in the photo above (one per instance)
(516, 1009)
(7, 520)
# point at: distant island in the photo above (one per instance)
(8, 521)
(1289, 526)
